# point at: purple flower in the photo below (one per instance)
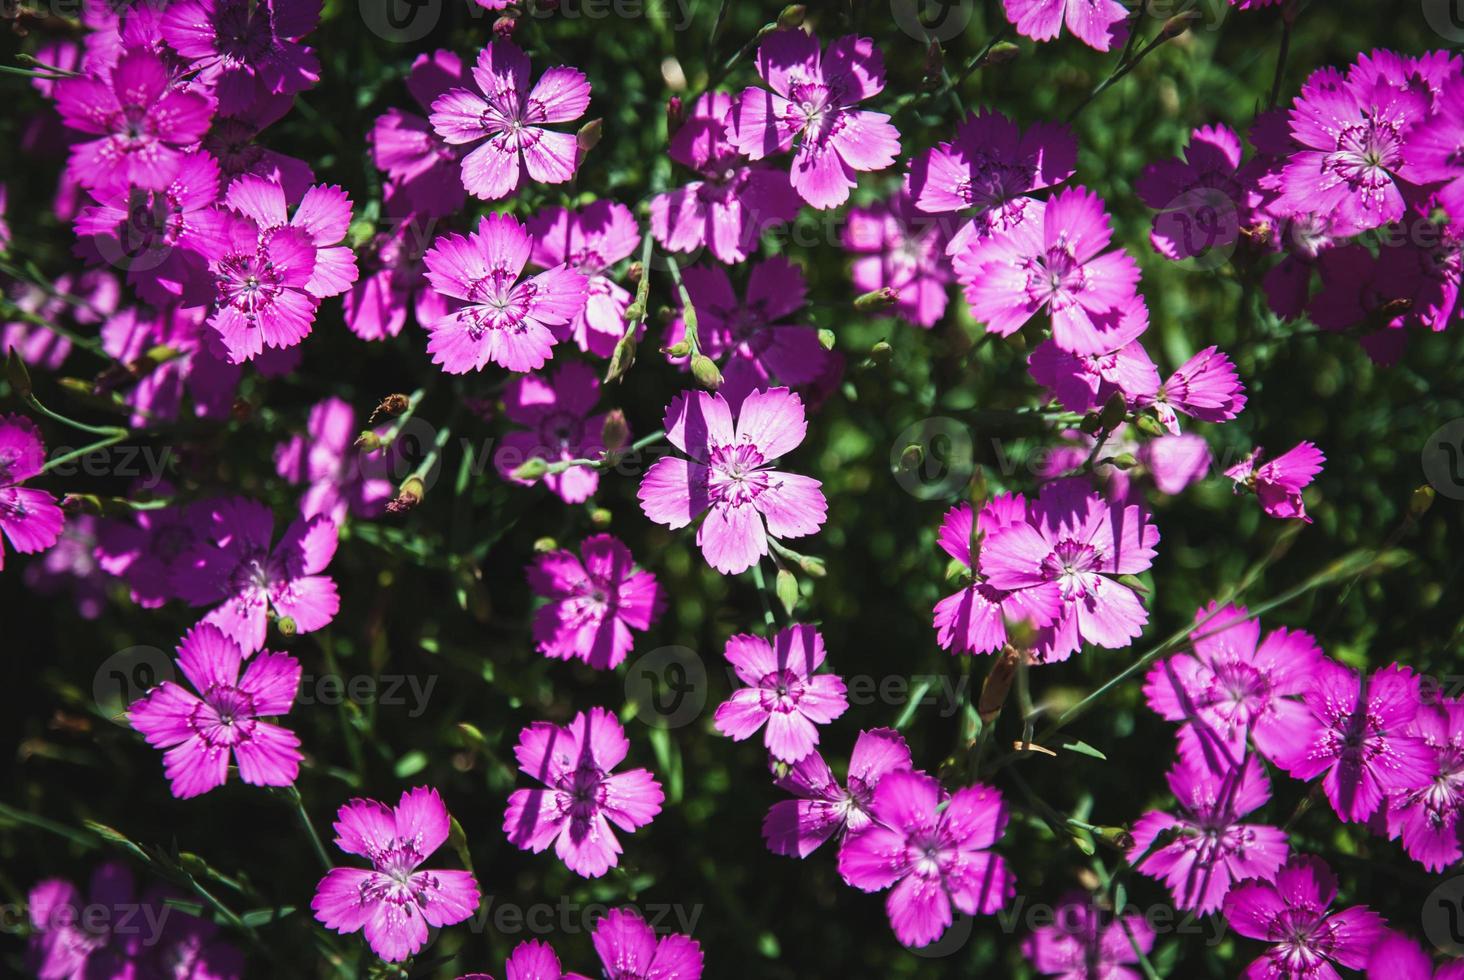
(325, 459)
(1205, 387)
(1397, 957)
(1211, 849)
(1052, 262)
(897, 246)
(581, 798)
(143, 122)
(748, 337)
(1234, 686)
(395, 901)
(70, 569)
(589, 241)
(203, 732)
(244, 50)
(732, 202)
(30, 518)
(511, 118)
(38, 346)
(1427, 816)
(1097, 23)
(1432, 155)
(823, 808)
(1278, 484)
(1084, 382)
(422, 167)
(993, 167)
(560, 427)
(1062, 557)
(530, 959)
(1084, 944)
(730, 475)
(629, 950)
(504, 319)
(392, 282)
(595, 600)
(1198, 196)
(783, 692)
(812, 101)
(233, 565)
(1291, 914)
(935, 856)
(1362, 742)
(146, 550)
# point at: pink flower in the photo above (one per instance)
(232, 564)
(531, 959)
(993, 167)
(812, 101)
(748, 337)
(1361, 741)
(1211, 849)
(823, 808)
(1062, 557)
(392, 282)
(511, 118)
(1205, 387)
(1097, 23)
(1427, 817)
(595, 600)
(245, 50)
(30, 518)
(730, 475)
(935, 856)
(1052, 262)
(505, 319)
(560, 427)
(146, 551)
(143, 122)
(1397, 957)
(732, 202)
(395, 901)
(589, 241)
(1432, 155)
(203, 732)
(422, 167)
(1084, 944)
(326, 459)
(974, 619)
(1198, 196)
(629, 950)
(1278, 483)
(1234, 686)
(1084, 382)
(582, 798)
(783, 693)
(1291, 914)
(897, 246)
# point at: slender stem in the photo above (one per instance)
(688, 311)
(89, 344)
(1281, 60)
(292, 792)
(762, 591)
(100, 444)
(96, 430)
(1124, 67)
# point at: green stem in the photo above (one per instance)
(293, 794)
(111, 440)
(96, 430)
(762, 592)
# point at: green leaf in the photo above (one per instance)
(1085, 749)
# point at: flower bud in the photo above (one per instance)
(675, 115)
(368, 441)
(1135, 583)
(544, 545)
(589, 135)
(787, 589)
(409, 495)
(1123, 461)
(704, 369)
(881, 353)
(504, 27)
(531, 470)
(1090, 424)
(1179, 23)
(622, 358)
(812, 567)
(1001, 53)
(1113, 412)
(876, 300)
(1149, 425)
(911, 457)
(679, 349)
(998, 684)
(615, 433)
(600, 517)
(1421, 501)
(17, 375)
(792, 15)
(286, 626)
(825, 338)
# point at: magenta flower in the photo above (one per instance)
(1211, 849)
(1052, 262)
(1085, 944)
(30, 518)
(559, 427)
(732, 202)
(37, 346)
(511, 118)
(993, 167)
(1397, 957)
(1205, 387)
(203, 732)
(1097, 23)
(822, 808)
(589, 241)
(1084, 382)
(1278, 484)
(504, 319)
(582, 798)
(143, 123)
(812, 102)
(392, 283)
(1291, 914)
(935, 856)
(145, 551)
(395, 901)
(748, 337)
(896, 246)
(1197, 196)
(783, 692)
(1427, 817)
(245, 50)
(234, 566)
(1062, 557)
(422, 167)
(1234, 686)
(974, 619)
(1362, 742)
(595, 600)
(530, 960)
(326, 460)
(1432, 155)
(730, 475)
(629, 950)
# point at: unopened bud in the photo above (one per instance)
(998, 684)
(601, 518)
(792, 15)
(1123, 461)
(622, 358)
(504, 27)
(812, 567)
(17, 375)
(368, 441)
(286, 626)
(1149, 425)
(1134, 582)
(1421, 501)
(615, 433)
(633, 277)
(544, 545)
(911, 457)
(679, 349)
(531, 470)
(1113, 412)
(826, 338)
(881, 353)
(1179, 23)
(704, 369)
(675, 115)
(787, 589)
(1001, 53)
(409, 495)
(589, 135)
(876, 300)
